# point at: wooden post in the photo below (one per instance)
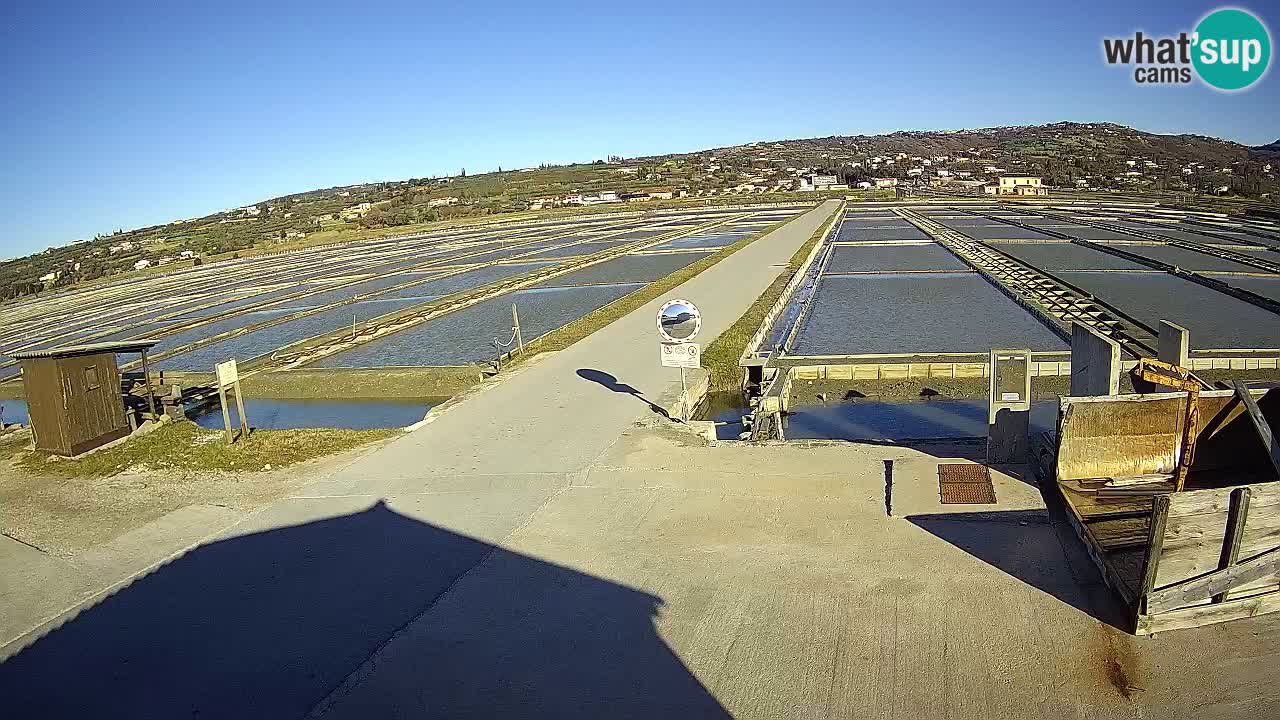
(1259, 423)
(1237, 513)
(244, 421)
(226, 414)
(515, 318)
(146, 374)
(1155, 544)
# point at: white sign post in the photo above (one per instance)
(228, 377)
(679, 322)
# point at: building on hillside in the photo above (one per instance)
(142, 265)
(600, 198)
(1020, 185)
(356, 211)
(809, 183)
(442, 202)
(647, 195)
(885, 182)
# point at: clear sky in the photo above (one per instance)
(118, 116)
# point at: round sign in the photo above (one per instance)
(679, 321)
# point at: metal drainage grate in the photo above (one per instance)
(965, 484)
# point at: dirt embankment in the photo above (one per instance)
(809, 392)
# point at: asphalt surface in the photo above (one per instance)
(299, 607)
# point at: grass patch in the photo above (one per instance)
(567, 335)
(408, 383)
(187, 447)
(721, 356)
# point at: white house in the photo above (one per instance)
(142, 265)
(1020, 185)
(809, 183)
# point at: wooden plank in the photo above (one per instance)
(1235, 532)
(1197, 527)
(1216, 582)
(1198, 615)
(226, 415)
(1151, 564)
(1109, 574)
(1260, 423)
(1114, 533)
(1127, 435)
(1218, 500)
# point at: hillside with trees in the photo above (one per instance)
(1092, 156)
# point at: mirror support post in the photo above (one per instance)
(684, 399)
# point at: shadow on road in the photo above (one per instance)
(268, 624)
(1027, 545)
(609, 381)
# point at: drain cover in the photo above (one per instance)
(965, 484)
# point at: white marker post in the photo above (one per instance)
(228, 377)
(678, 324)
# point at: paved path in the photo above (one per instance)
(578, 559)
(552, 419)
(293, 599)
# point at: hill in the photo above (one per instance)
(1068, 155)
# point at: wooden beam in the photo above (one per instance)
(1155, 535)
(1259, 423)
(1197, 615)
(1214, 583)
(151, 396)
(1236, 516)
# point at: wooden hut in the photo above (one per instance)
(74, 396)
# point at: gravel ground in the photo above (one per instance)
(65, 516)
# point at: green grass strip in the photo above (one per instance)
(721, 356)
(567, 335)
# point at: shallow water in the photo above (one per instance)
(874, 420)
(14, 411)
(342, 414)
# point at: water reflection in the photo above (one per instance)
(875, 420)
(14, 411)
(340, 414)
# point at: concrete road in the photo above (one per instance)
(562, 412)
(482, 469)
(550, 548)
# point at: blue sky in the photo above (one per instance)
(121, 115)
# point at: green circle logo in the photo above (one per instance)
(1232, 49)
